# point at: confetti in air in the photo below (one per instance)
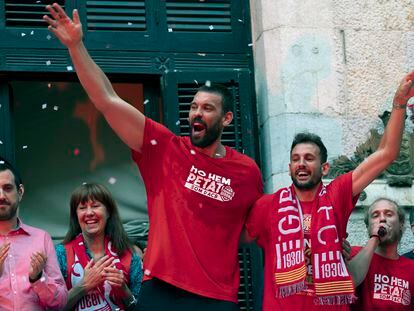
(55, 108)
(48, 37)
(1, 143)
(170, 30)
(202, 54)
(208, 83)
(192, 152)
(153, 142)
(177, 123)
(23, 34)
(146, 101)
(1, 162)
(48, 62)
(49, 85)
(69, 68)
(250, 44)
(44, 106)
(129, 24)
(112, 180)
(32, 33)
(211, 27)
(24, 147)
(76, 152)
(196, 82)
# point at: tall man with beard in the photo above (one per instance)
(30, 277)
(385, 279)
(301, 227)
(198, 190)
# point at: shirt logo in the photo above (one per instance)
(210, 185)
(392, 289)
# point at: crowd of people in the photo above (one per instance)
(201, 195)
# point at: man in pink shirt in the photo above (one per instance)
(30, 277)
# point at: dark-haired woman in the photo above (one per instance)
(101, 267)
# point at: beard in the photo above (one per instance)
(9, 212)
(308, 185)
(210, 136)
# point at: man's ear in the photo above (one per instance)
(20, 191)
(325, 168)
(227, 118)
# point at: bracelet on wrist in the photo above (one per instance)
(399, 106)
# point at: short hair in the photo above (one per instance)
(113, 229)
(227, 100)
(6, 165)
(400, 212)
(310, 138)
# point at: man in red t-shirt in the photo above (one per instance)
(198, 190)
(301, 227)
(385, 279)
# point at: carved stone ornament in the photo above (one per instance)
(399, 174)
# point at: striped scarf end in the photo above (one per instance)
(336, 300)
(289, 290)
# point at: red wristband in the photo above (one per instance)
(375, 236)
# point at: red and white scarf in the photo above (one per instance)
(333, 284)
(104, 297)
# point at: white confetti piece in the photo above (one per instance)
(112, 180)
(24, 147)
(208, 83)
(49, 85)
(202, 54)
(153, 142)
(32, 33)
(211, 27)
(129, 24)
(48, 37)
(240, 20)
(170, 30)
(196, 82)
(1, 143)
(177, 123)
(192, 152)
(2, 162)
(69, 68)
(23, 34)
(250, 44)
(48, 62)
(44, 106)
(146, 101)
(55, 108)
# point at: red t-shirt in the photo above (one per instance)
(196, 206)
(259, 225)
(389, 284)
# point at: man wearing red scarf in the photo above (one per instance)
(301, 227)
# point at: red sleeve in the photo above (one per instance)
(259, 217)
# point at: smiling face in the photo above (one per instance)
(207, 119)
(305, 167)
(10, 196)
(92, 216)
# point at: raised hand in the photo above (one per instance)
(94, 272)
(37, 263)
(4, 250)
(68, 31)
(405, 90)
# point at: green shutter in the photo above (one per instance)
(26, 13)
(116, 15)
(199, 16)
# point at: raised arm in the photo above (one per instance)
(127, 121)
(389, 147)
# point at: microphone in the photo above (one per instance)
(382, 232)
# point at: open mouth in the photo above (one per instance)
(198, 128)
(302, 174)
